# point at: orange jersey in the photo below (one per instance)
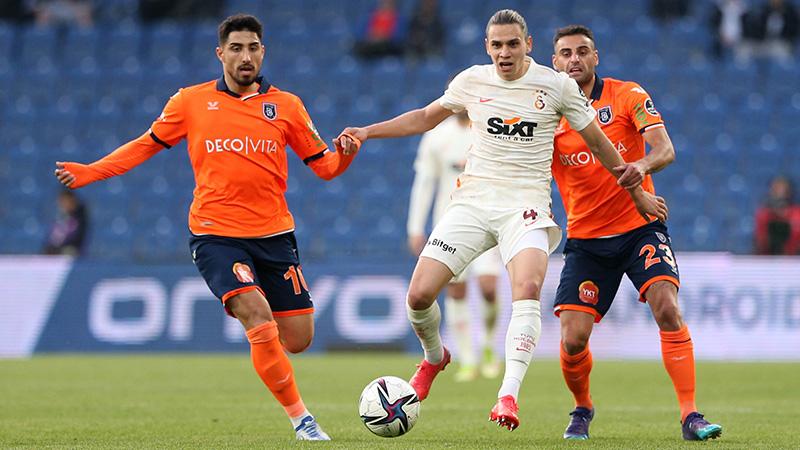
(596, 206)
(237, 147)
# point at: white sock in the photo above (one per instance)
(521, 340)
(425, 323)
(457, 319)
(489, 314)
(296, 420)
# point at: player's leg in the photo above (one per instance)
(459, 236)
(654, 272)
(457, 318)
(286, 293)
(487, 268)
(227, 266)
(589, 281)
(526, 254)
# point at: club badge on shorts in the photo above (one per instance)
(270, 110)
(588, 292)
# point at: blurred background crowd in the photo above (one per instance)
(81, 77)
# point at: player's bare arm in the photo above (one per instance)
(407, 124)
(647, 204)
(661, 155)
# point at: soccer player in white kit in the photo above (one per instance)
(441, 157)
(503, 196)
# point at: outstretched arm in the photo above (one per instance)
(406, 124)
(76, 175)
(647, 204)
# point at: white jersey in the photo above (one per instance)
(441, 157)
(513, 125)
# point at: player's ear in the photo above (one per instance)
(218, 51)
(529, 43)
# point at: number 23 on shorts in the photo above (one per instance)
(650, 259)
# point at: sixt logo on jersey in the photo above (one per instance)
(514, 127)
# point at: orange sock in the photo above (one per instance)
(576, 370)
(274, 368)
(678, 354)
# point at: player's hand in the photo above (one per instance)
(347, 143)
(416, 243)
(649, 205)
(631, 175)
(64, 176)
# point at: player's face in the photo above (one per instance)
(507, 46)
(576, 56)
(241, 57)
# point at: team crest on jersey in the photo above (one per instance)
(604, 115)
(650, 107)
(661, 237)
(270, 110)
(243, 273)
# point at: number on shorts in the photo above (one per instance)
(530, 215)
(297, 278)
(651, 257)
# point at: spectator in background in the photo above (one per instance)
(778, 221)
(382, 33)
(426, 31)
(728, 28)
(67, 234)
(776, 29)
(667, 10)
(63, 13)
(150, 10)
(15, 10)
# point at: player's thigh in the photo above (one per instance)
(459, 237)
(526, 271)
(588, 282)
(651, 259)
(226, 265)
(429, 278)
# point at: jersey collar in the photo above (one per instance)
(221, 86)
(597, 89)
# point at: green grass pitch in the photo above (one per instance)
(217, 401)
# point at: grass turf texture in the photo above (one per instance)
(217, 401)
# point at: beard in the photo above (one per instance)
(245, 80)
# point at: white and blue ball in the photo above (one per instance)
(389, 406)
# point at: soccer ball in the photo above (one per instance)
(389, 406)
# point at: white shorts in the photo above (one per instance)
(467, 230)
(488, 264)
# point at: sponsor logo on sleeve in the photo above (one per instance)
(650, 107)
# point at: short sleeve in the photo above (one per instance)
(170, 127)
(574, 104)
(455, 98)
(640, 107)
(303, 136)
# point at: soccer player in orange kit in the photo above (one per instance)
(242, 233)
(607, 237)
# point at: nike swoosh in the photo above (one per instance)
(484, 100)
(285, 379)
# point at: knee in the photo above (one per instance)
(420, 298)
(528, 289)
(297, 345)
(574, 343)
(663, 299)
(250, 313)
